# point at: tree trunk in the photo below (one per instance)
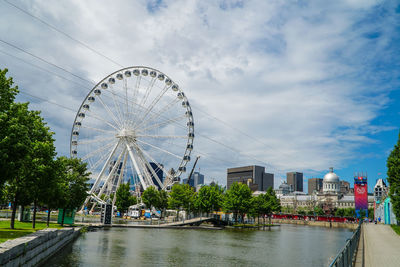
(14, 211)
(269, 224)
(34, 215)
(264, 221)
(63, 216)
(48, 216)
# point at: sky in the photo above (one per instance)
(288, 85)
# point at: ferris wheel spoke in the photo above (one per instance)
(109, 112)
(153, 103)
(91, 114)
(159, 148)
(148, 90)
(97, 129)
(163, 136)
(156, 115)
(87, 142)
(161, 124)
(96, 164)
(100, 149)
(116, 103)
(135, 96)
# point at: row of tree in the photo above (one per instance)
(30, 171)
(238, 199)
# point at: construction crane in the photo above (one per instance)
(191, 172)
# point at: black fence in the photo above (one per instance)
(346, 257)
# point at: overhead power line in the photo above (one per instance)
(111, 60)
(63, 33)
(44, 60)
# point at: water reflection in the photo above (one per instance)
(286, 245)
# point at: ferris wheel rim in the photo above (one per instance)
(189, 144)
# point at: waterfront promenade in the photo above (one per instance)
(381, 246)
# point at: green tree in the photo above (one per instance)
(41, 165)
(209, 198)
(7, 96)
(393, 173)
(73, 183)
(319, 211)
(371, 213)
(181, 197)
(339, 212)
(124, 198)
(21, 143)
(163, 201)
(258, 206)
(26, 149)
(238, 200)
(349, 212)
(54, 189)
(274, 203)
(151, 198)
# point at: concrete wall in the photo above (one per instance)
(318, 223)
(33, 249)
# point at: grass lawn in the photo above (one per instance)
(396, 228)
(21, 229)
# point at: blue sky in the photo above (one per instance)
(290, 85)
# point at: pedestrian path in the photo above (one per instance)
(382, 246)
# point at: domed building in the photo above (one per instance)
(331, 183)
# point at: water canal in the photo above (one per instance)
(286, 245)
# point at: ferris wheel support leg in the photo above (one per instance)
(141, 154)
(120, 177)
(100, 174)
(147, 174)
(110, 175)
(136, 167)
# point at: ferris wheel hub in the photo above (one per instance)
(126, 133)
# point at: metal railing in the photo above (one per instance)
(346, 257)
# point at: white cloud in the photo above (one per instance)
(295, 76)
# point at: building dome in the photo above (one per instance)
(331, 177)
(331, 183)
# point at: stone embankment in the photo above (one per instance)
(33, 249)
(318, 223)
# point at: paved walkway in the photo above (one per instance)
(382, 246)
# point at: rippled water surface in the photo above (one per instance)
(285, 245)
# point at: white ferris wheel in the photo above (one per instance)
(135, 124)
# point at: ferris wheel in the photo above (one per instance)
(135, 124)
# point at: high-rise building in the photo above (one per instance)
(254, 176)
(296, 180)
(314, 185)
(159, 172)
(196, 179)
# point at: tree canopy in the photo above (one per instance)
(393, 173)
(124, 198)
(238, 199)
(209, 197)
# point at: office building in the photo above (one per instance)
(254, 176)
(314, 185)
(196, 179)
(295, 179)
(158, 171)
